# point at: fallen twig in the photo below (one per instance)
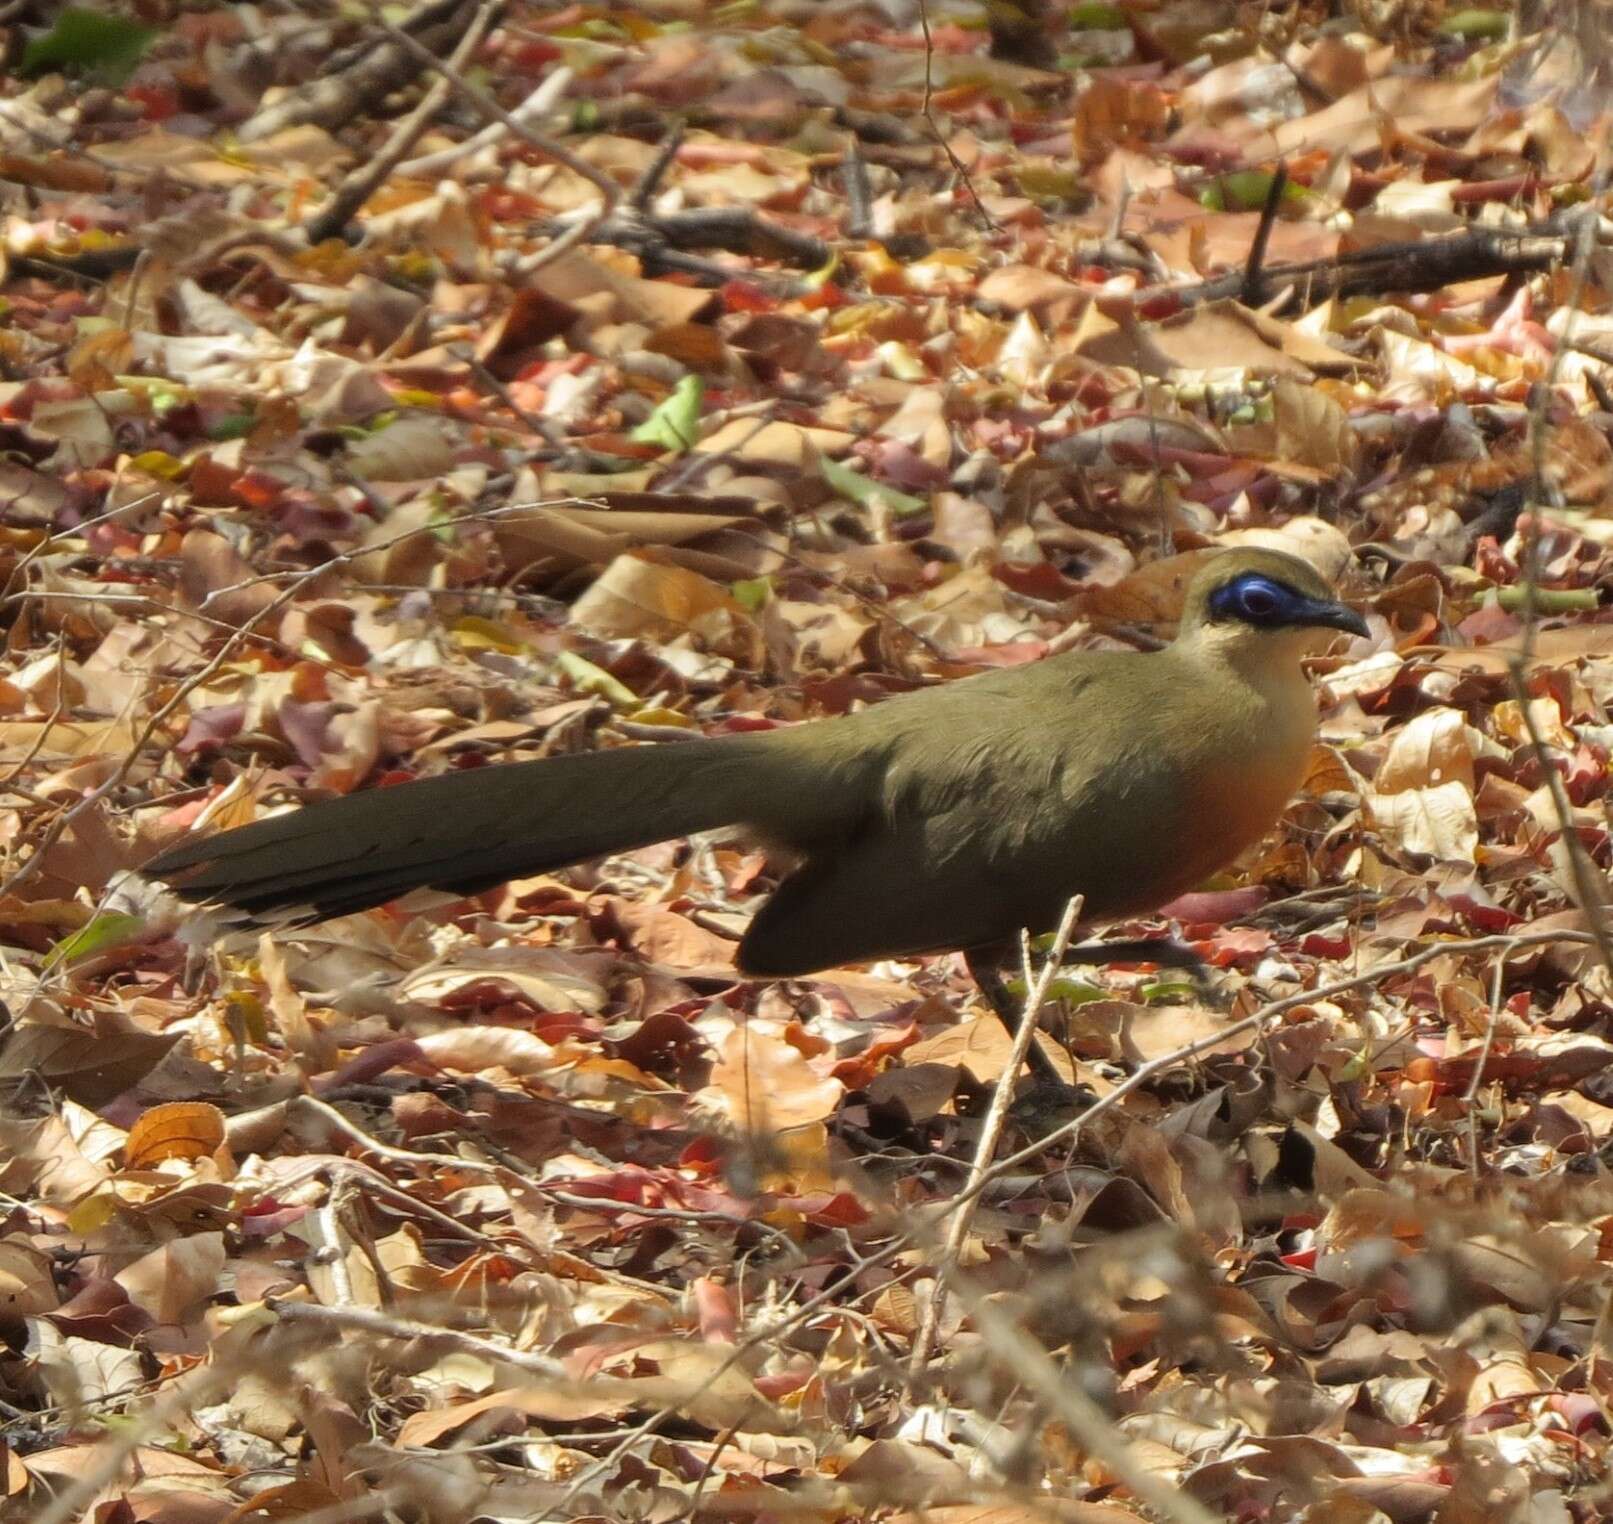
(357, 188)
(534, 108)
(342, 93)
(1428, 264)
(1249, 293)
(991, 1129)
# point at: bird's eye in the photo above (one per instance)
(1259, 600)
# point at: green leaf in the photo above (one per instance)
(863, 490)
(1245, 190)
(817, 279)
(751, 593)
(1065, 987)
(1488, 26)
(585, 677)
(675, 425)
(232, 426)
(108, 46)
(1172, 989)
(109, 929)
(1517, 597)
(1096, 18)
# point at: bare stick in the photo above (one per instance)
(643, 192)
(1009, 1347)
(991, 1130)
(1252, 284)
(1145, 1072)
(534, 108)
(859, 198)
(358, 187)
(361, 76)
(959, 168)
(610, 193)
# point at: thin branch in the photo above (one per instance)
(357, 188)
(1009, 1347)
(1253, 285)
(648, 183)
(544, 99)
(610, 193)
(959, 168)
(991, 1129)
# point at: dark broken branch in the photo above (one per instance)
(1249, 293)
(350, 88)
(1426, 265)
(738, 229)
(357, 188)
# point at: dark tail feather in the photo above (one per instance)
(467, 831)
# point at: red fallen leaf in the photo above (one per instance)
(373, 1062)
(529, 57)
(1014, 653)
(826, 298)
(1484, 915)
(1582, 1411)
(184, 815)
(272, 1224)
(110, 540)
(305, 517)
(781, 1384)
(742, 296)
(556, 1026)
(1319, 944)
(715, 1311)
(1215, 907)
(1500, 1415)
(1585, 776)
(1305, 1259)
(1225, 948)
(211, 727)
(1509, 188)
(1488, 561)
(1154, 309)
(100, 1309)
(855, 1073)
(156, 102)
(839, 1209)
(306, 726)
(1040, 580)
(1197, 463)
(703, 1154)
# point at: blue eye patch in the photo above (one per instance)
(1258, 600)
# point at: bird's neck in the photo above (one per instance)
(1265, 664)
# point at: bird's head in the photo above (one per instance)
(1264, 605)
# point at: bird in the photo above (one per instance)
(947, 818)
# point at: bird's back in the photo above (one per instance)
(1125, 778)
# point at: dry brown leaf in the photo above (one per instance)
(188, 1130)
(763, 1085)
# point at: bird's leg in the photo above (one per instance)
(985, 967)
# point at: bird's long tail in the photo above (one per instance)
(468, 831)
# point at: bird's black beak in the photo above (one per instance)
(1328, 614)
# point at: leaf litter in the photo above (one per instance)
(780, 358)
